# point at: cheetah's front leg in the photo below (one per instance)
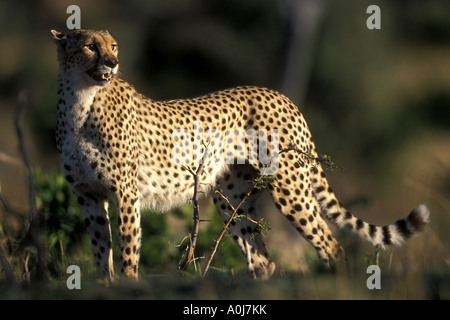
(96, 219)
(129, 229)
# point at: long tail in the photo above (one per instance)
(393, 234)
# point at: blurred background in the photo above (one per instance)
(377, 101)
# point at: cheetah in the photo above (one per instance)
(115, 143)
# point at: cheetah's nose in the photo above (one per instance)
(111, 62)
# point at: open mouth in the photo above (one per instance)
(99, 77)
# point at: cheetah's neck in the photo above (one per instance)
(75, 98)
(74, 101)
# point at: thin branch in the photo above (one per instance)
(22, 102)
(231, 218)
(33, 230)
(245, 216)
(188, 258)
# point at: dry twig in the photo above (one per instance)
(232, 216)
(189, 257)
(33, 229)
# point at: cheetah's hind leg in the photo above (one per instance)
(245, 232)
(294, 198)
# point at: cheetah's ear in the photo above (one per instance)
(60, 39)
(58, 36)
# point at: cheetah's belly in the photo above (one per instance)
(172, 189)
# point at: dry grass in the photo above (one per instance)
(430, 285)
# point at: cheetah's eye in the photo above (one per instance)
(90, 47)
(114, 47)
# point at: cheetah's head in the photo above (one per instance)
(89, 55)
